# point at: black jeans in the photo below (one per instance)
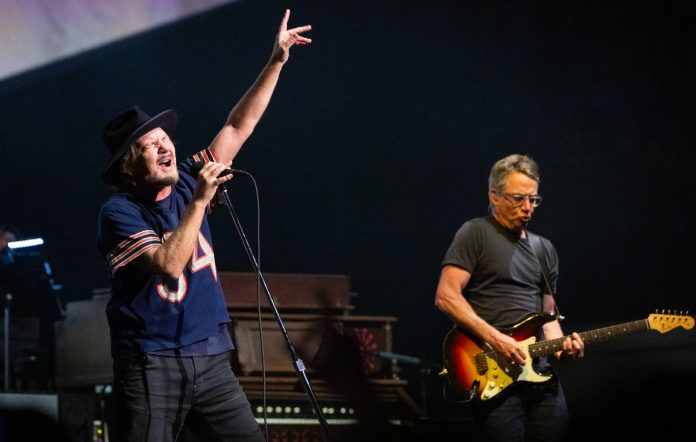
(529, 412)
(156, 395)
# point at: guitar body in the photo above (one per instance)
(476, 371)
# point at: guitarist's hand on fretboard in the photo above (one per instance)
(566, 347)
(573, 348)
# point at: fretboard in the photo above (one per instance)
(544, 348)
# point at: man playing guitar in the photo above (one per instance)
(492, 279)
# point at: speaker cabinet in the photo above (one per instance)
(83, 352)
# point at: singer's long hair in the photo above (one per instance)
(125, 176)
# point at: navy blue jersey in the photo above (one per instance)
(146, 312)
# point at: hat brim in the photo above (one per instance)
(166, 120)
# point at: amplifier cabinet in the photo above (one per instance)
(83, 355)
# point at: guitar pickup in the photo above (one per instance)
(481, 363)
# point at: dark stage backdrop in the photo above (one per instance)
(379, 139)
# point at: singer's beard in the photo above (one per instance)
(162, 180)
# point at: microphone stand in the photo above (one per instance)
(297, 361)
(6, 341)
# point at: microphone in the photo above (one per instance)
(198, 165)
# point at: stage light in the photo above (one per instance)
(25, 243)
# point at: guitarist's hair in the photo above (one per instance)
(512, 163)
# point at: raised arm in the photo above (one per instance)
(248, 111)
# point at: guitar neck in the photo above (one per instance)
(544, 348)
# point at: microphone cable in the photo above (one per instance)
(258, 291)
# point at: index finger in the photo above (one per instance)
(284, 22)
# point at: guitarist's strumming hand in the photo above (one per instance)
(510, 348)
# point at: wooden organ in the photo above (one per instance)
(317, 312)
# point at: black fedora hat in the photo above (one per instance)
(126, 127)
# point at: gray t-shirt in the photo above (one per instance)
(506, 279)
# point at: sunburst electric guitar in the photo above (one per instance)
(477, 372)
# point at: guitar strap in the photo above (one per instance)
(540, 253)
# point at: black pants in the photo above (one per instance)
(156, 395)
(529, 412)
